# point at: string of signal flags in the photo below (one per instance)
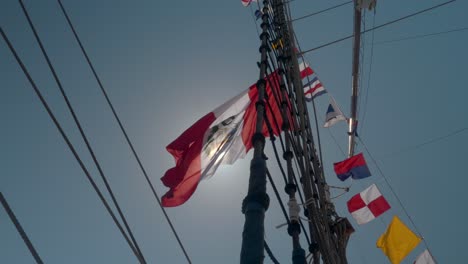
(223, 136)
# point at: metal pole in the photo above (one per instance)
(20, 230)
(256, 202)
(354, 95)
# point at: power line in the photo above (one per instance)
(156, 196)
(82, 133)
(322, 11)
(20, 229)
(69, 144)
(377, 27)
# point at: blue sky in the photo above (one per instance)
(165, 64)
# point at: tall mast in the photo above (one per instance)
(256, 202)
(355, 76)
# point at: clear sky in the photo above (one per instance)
(166, 64)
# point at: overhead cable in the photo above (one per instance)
(156, 196)
(69, 144)
(82, 133)
(321, 11)
(20, 229)
(379, 26)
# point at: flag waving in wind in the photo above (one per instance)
(398, 241)
(247, 2)
(220, 137)
(305, 70)
(354, 167)
(313, 89)
(334, 114)
(367, 205)
(425, 258)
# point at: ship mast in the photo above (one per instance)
(355, 79)
(329, 233)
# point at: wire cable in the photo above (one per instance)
(371, 59)
(379, 26)
(322, 11)
(82, 133)
(427, 142)
(69, 144)
(270, 253)
(422, 36)
(156, 196)
(20, 229)
(394, 193)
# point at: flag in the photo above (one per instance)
(220, 137)
(313, 89)
(425, 258)
(367, 205)
(398, 241)
(258, 14)
(305, 70)
(247, 2)
(277, 43)
(355, 167)
(334, 114)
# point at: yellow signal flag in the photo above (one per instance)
(277, 43)
(398, 241)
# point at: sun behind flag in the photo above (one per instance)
(220, 137)
(367, 205)
(398, 241)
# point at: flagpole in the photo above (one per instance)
(355, 81)
(256, 202)
(20, 229)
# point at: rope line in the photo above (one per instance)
(82, 133)
(101, 86)
(20, 229)
(67, 141)
(422, 36)
(270, 253)
(322, 11)
(394, 193)
(379, 26)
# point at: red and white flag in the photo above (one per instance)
(220, 137)
(425, 258)
(247, 2)
(305, 70)
(367, 205)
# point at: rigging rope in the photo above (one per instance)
(369, 76)
(20, 229)
(422, 36)
(270, 253)
(82, 133)
(394, 193)
(322, 11)
(380, 26)
(101, 86)
(67, 141)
